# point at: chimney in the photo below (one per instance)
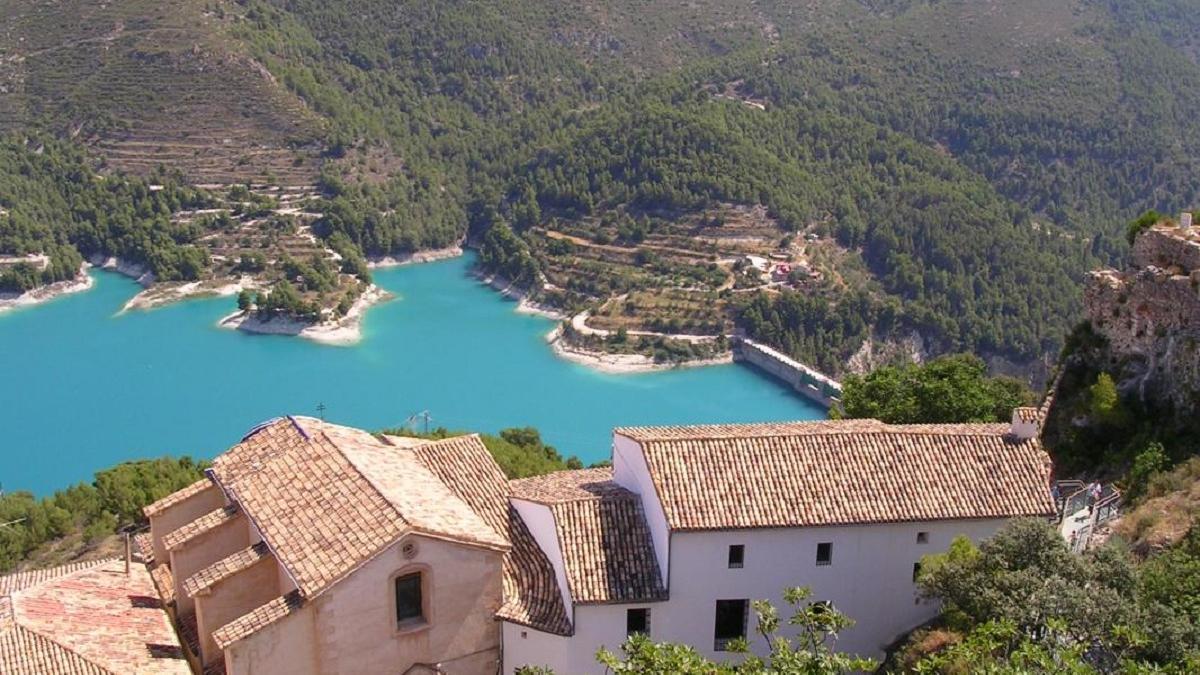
(1025, 424)
(1185, 221)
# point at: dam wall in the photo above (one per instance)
(811, 384)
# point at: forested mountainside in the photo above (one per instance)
(947, 167)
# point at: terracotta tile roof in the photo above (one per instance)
(562, 486)
(606, 545)
(225, 568)
(89, 619)
(327, 499)
(531, 595)
(143, 547)
(12, 583)
(209, 521)
(257, 619)
(1027, 414)
(177, 496)
(164, 582)
(848, 472)
(24, 652)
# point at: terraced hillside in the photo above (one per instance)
(149, 84)
(961, 163)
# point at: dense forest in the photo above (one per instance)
(975, 186)
(973, 160)
(78, 517)
(53, 202)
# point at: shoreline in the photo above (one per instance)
(524, 304)
(343, 332)
(621, 364)
(43, 294)
(414, 258)
(164, 294)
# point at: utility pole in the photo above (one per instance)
(321, 410)
(423, 415)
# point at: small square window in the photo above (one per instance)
(737, 555)
(731, 616)
(825, 553)
(922, 537)
(637, 621)
(408, 599)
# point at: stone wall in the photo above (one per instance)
(1150, 315)
(1167, 246)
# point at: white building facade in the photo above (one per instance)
(739, 513)
(314, 548)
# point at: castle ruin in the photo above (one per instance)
(1150, 314)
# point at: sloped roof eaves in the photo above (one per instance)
(257, 619)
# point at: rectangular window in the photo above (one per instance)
(737, 555)
(637, 621)
(408, 599)
(825, 553)
(730, 622)
(922, 537)
(916, 571)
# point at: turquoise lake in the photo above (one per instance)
(84, 387)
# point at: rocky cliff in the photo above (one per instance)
(1150, 316)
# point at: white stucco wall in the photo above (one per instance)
(540, 522)
(596, 626)
(630, 472)
(870, 580)
(525, 646)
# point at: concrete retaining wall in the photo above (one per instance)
(811, 384)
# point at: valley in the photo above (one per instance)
(933, 174)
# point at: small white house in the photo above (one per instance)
(735, 513)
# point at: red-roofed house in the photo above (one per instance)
(315, 548)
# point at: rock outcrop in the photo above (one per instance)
(1150, 315)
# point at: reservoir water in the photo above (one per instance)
(83, 387)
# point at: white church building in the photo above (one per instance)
(314, 548)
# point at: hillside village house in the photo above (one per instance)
(315, 548)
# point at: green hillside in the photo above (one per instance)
(959, 165)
